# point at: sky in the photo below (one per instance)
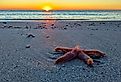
(60, 4)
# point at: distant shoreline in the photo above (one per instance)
(34, 20)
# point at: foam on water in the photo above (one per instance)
(80, 15)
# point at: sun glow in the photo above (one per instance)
(47, 8)
(47, 5)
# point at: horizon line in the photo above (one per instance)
(58, 9)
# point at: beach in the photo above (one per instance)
(27, 50)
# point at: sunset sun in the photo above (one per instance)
(47, 8)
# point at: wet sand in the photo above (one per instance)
(26, 51)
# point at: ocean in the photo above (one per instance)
(93, 15)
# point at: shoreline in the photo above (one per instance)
(84, 20)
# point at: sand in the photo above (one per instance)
(26, 50)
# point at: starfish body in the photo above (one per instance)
(77, 52)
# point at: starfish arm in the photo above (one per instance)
(87, 59)
(63, 49)
(94, 52)
(66, 49)
(66, 57)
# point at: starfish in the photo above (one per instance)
(77, 52)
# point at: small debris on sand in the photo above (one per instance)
(28, 46)
(31, 35)
(10, 26)
(48, 36)
(52, 25)
(4, 22)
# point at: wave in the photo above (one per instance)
(77, 14)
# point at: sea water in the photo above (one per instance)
(96, 15)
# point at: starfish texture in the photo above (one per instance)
(77, 52)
